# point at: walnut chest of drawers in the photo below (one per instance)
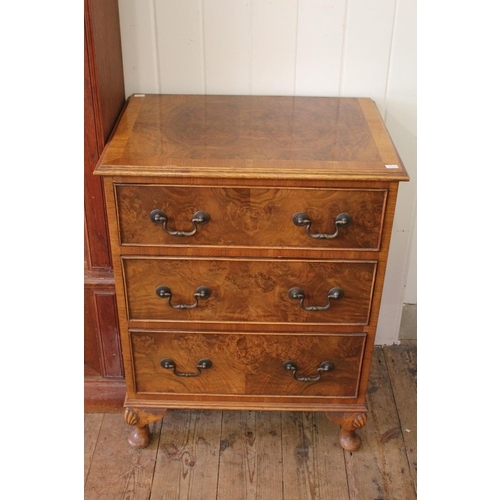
(250, 237)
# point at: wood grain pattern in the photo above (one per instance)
(226, 455)
(102, 336)
(97, 127)
(92, 428)
(247, 364)
(104, 97)
(249, 290)
(187, 463)
(250, 457)
(381, 464)
(249, 161)
(104, 395)
(108, 86)
(401, 361)
(313, 461)
(257, 127)
(350, 422)
(140, 435)
(249, 216)
(241, 136)
(117, 470)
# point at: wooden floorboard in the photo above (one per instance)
(117, 471)
(250, 462)
(401, 363)
(379, 469)
(188, 456)
(93, 422)
(247, 455)
(313, 461)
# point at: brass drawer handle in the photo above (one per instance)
(202, 292)
(203, 364)
(302, 219)
(159, 217)
(326, 366)
(296, 293)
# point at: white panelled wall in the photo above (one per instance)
(361, 48)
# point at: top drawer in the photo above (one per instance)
(250, 217)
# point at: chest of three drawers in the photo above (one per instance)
(242, 287)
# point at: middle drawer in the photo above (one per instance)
(169, 289)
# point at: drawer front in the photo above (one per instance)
(245, 290)
(242, 364)
(250, 217)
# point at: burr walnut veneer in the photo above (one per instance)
(249, 238)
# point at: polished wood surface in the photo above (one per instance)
(249, 290)
(252, 163)
(228, 455)
(252, 136)
(248, 364)
(102, 346)
(140, 435)
(349, 423)
(104, 97)
(249, 216)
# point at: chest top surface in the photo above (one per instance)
(251, 136)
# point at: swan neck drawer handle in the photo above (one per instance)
(159, 217)
(202, 292)
(302, 219)
(203, 364)
(296, 293)
(326, 366)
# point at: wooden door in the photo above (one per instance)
(103, 100)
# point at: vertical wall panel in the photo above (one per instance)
(138, 34)
(228, 46)
(319, 47)
(180, 46)
(92, 352)
(367, 46)
(274, 39)
(107, 314)
(410, 292)
(401, 121)
(102, 337)
(362, 48)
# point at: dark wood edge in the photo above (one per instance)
(104, 396)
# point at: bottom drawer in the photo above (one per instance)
(247, 364)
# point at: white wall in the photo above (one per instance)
(362, 48)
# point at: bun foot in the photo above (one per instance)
(349, 440)
(349, 423)
(139, 437)
(140, 419)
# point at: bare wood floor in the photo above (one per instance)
(231, 455)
